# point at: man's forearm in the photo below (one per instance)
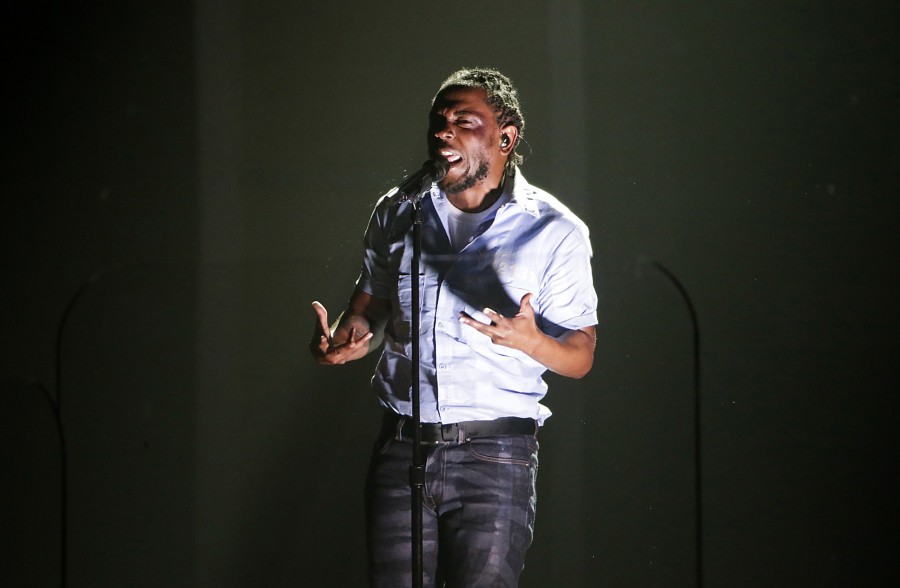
(571, 355)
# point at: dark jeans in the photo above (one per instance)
(478, 518)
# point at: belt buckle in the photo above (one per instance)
(453, 433)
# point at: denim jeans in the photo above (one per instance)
(478, 515)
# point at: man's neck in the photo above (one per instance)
(479, 197)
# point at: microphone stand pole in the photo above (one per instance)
(413, 190)
(417, 470)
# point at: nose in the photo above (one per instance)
(442, 130)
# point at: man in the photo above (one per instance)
(506, 293)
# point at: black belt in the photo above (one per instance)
(400, 428)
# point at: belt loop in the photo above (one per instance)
(399, 435)
(461, 433)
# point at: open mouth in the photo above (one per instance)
(452, 157)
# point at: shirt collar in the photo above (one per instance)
(523, 194)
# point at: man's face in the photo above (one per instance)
(463, 130)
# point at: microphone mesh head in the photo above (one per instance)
(439, 168)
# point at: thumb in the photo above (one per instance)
(525, 305)
(322, 314)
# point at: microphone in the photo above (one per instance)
(432, 170)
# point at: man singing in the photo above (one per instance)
(506, 293)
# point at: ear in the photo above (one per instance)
(511, 133)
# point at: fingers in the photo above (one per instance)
(517, 332)
(364, 339)
(340, 354)
(323, 317)
(345, 344)
(479, 326)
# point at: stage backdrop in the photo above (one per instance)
(181, 180)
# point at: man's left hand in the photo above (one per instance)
(518, 332)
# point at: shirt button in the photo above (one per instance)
(440, 325)
(443, 366)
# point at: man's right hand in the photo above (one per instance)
(338, 346)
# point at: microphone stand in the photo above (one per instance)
(412, 191)
(417, 469)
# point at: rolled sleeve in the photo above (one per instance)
(374, 275)
(567, 296)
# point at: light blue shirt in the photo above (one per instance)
(532, 244)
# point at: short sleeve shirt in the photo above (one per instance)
(532, 244)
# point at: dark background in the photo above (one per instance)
(180, 180)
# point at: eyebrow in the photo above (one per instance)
(457, 113)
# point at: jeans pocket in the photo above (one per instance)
(509, 449)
